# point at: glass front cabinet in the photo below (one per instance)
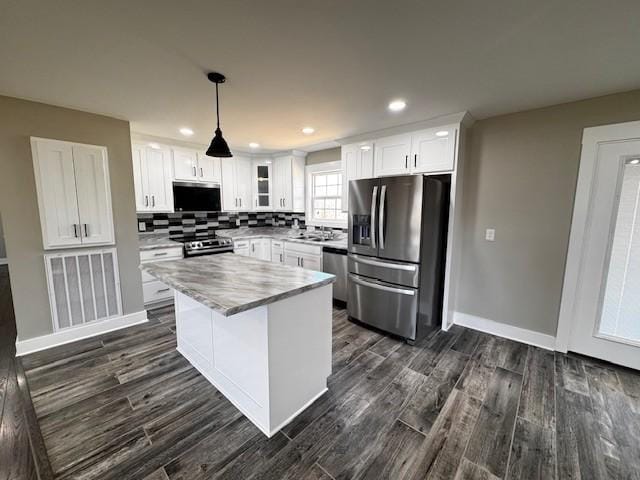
(262, 178)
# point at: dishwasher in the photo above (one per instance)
(334, 261)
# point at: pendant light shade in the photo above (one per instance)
(218, 146)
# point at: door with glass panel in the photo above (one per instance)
(262, 185)
(601, 297)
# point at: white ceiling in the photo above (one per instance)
(330, 64)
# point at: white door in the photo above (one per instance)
(282, 184)
(185, 164)
(260, 248)
(291, 259)
(208, 168)
(94, 194)
(311, 262)
(433, 150)
(157, 170)
(392, 155)
(262, 179)
(243, 182)
(600, 311)
(56, 185)
(349, 157)
(277, 253)
(139, 178)
(365, 160)
(228, 173)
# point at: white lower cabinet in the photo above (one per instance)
(241, 247)
(277, 251)
(260, 248)
(303, 255)
(153, 290)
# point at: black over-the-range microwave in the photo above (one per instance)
(196, 197)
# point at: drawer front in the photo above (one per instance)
(239, 244)
(277, 244)
(161, 254)
(303, 248)
(156, 291)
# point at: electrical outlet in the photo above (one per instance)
(142, 227)
(490, 234)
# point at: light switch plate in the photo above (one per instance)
(142, 227)
(490, 234)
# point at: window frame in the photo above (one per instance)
(322, 168)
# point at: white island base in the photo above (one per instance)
(271, 362)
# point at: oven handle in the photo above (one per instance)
(375, 263)
(377, 286)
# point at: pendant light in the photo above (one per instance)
(218, 147)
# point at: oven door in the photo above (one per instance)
(383, 305)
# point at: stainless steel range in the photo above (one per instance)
(194, 247)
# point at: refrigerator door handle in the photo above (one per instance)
(383, 194)
(377, 286)
(373, 216)
(376, 263)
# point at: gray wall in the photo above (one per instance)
(20, 119)
(521, 175)
(322, 156)
(3, 251)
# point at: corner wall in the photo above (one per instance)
(520, 178)
(19, 120)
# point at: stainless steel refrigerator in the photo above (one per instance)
(397, 243)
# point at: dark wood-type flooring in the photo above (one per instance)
(461, 405)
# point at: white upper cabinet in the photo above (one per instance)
(209, 168)
(185, 164)
(433, 150)
(262, 183)
(357, 162)
(236, 183)
(74, 195)
(392, 155)
(152, 178)
(288, 183)
(94, 197)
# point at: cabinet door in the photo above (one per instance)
(260, 248)
(262, 180)
(277, 255)
(228, 173)
(365, 160)
(209, 168)
(392, 155)
(243, 173)
(185, 164)
(291, 259)
(157, 169)
(433, 150)
(56, 188)
(311, 262)
(139, 178)
(283, 183)
(94, 194)
(297, 185)
(349, 156)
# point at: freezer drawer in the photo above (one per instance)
(400, 273)
(383, 305)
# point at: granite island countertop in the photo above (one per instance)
(230, 283)
(153, 241)
(280, 233)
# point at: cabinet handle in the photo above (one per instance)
(195, 174)
(415, 160)
(86, 230)
(201, 172)
(280, 258)
(240, 202)
(302, 262)
(160, 254)
(406, 161)
(253, 247)
(153, 200)
(75, 230)
(146, 200)
(163, 290)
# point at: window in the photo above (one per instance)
(324, 202)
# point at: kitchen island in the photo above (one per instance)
(259, 332)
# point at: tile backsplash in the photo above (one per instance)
(205, 223)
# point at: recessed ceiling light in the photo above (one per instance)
(397, 105)
(186, 131)
(635, 161)
(154, 145)
(442, 133)
(308, 130)
(365, 148)
(254, 145)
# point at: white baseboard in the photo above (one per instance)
(523, 335)
(68, 335)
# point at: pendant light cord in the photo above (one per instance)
(217, 107)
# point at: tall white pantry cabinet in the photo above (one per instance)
(74, 193)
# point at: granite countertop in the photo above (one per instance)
(152, 241)
(280, 233)
(230, 284)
